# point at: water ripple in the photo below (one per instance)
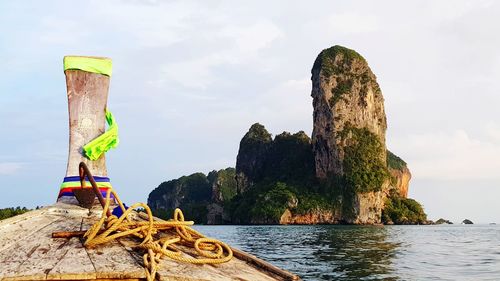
(444, 252)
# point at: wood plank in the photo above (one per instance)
(112, 260)
(9, 268)
(61, 208)
(75, 265)
(247, 267)
(232, 270)
(236, 269)
(171, 270)
(175, 270)
(22, 226)
(13, 220)
(25, 241)
(241, 270)
(16, 239)
(43, 253)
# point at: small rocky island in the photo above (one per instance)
(467, 221)
(443, 221)
(342, 174)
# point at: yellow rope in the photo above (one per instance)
(108, 228)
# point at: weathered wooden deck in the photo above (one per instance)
(28, 252)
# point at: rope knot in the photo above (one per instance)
(162, 244)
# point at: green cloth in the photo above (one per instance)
(102, 66)
(94, 149)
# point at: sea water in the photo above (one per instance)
(434, 252)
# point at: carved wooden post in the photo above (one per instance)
(87, 82)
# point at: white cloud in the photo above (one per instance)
(493, 131)
(451, 156)
(151, 25)
(244, 42)
(286, 107)
(351, 22)
(254, 37)
(9, 168)
(61, 31)
(195, 73)
(444, 10)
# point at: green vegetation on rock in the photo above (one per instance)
(192, 194)
(273, 203)
(399, 210)
(343, 87)
(290, 159)
(326, 60)
(394, 162)
(364, 169)
(225, 181)
(286, 175)
(256, 135)
(266, 202)
(10, 212)
(253, 149)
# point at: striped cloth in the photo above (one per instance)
(73, 182)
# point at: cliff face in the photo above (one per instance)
(401, 181)
(345, 94)
(317, 216)
(251, 156)
(400, 175)
(187, 189)
(223, 185)
(287, 157)
(276, 177)
(349, 132)
(200, 197)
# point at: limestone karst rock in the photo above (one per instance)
(200, 196)
(251, 156)
(349, 132)
(400, 174)
(287, 157)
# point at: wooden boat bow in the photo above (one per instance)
(46, 244)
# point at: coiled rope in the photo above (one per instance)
(111, 227)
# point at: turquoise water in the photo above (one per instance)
(440, 252)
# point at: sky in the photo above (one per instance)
(191, 77)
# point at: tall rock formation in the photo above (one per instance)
(288, 158)
(251, 156)
(349, 132)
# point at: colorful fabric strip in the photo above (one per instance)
(73, 182)
(77, 178)
(87, 184)
(102, 66)
(109, 139)
(69, 192)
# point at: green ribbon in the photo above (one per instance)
(102, 66)
(94, 149)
